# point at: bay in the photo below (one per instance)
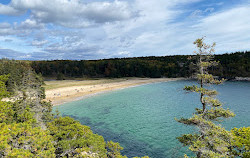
(142, 118)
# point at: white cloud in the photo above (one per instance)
(6, 29)
(122, 54)
(228, 28)
(8, 10)
(209, 10)
(71, 13)
(38, 43)
(5, 25)
(196, 13)
(200, 13)
(31, 24)
(227, 22)
(107, 12)
(97, 30)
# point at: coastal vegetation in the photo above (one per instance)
(28, 128)
(211, 140)
(230, 66)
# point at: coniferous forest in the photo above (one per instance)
(230, 66)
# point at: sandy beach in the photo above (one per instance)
(59, 92)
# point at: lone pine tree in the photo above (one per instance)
(211, 140)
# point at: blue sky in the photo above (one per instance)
(97, 29)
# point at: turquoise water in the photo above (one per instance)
(141, 118)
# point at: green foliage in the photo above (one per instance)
(6, 112)
(3, 89)
(72, 138)
(216, 113)
(25, 116)
(211, 140)
(212, 102)
(229, 66)
(4, 78)
(46, 111)
(60, 76)
(114, 150)
(187, 139)
(201, 90)
(241, 141)
(15, 70)
(22, 140)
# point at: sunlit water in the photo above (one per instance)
(141, 118)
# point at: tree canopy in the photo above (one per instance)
(210, 140)
(230, 66)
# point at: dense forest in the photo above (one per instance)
(230, 66)
(28, 128)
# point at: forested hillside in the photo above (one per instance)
(28, 128)
(230, 66)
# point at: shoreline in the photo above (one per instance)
(81, 90)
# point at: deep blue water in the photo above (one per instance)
(141, 118)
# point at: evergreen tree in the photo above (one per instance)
(241, 142)
(211, 140)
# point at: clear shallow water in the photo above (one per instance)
(141, 118)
